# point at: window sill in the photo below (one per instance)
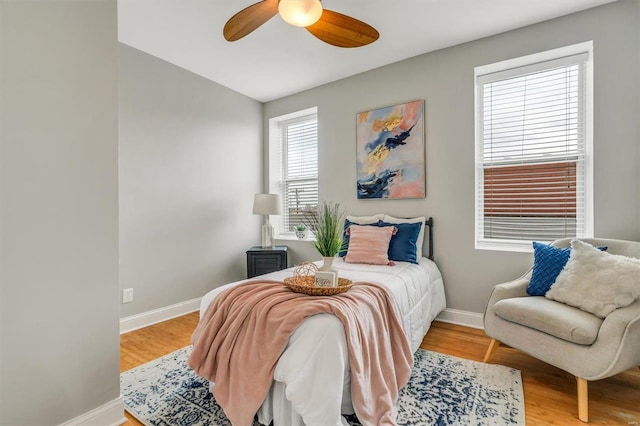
(502, 245)
(294, 238)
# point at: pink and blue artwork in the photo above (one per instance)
(390, 152)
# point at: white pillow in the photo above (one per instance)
(596, 281)
(365, 220)
(420, 241)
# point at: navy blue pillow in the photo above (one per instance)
(403, 246)
(548, 262)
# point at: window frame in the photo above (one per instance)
(521, 66)
(277, 158)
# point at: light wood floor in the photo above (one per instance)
(549, 393)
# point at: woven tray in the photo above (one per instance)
(306, 285)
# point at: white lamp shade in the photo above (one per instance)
(266, 204)
(300, 13)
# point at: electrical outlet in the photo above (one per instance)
(127, 295)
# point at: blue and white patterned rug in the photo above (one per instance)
(443, 390)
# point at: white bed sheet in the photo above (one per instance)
(311, 379)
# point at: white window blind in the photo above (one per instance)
(299, 170)
(531, 152)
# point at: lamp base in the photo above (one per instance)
(267, 236)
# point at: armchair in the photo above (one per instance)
(584, 345)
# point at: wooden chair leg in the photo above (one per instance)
(492, 347)
(583, 399)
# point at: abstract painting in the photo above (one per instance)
(390, 152)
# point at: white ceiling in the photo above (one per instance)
(277, 59)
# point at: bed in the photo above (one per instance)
(299, 395)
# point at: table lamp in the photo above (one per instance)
(267, 204)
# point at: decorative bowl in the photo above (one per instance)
(307, 285)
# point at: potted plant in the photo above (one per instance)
(326, 226)
(301, 231)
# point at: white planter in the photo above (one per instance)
(327, 264)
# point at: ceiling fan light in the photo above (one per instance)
(300, 13)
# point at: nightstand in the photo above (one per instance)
(261, 260)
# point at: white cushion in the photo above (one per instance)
(595, 281)
(365, 220)
(557, 319)
(422, 220)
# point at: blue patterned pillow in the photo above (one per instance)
(345, 239)
(548, 262)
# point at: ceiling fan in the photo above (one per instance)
(329, 26)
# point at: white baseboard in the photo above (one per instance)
(155, 316)
(109, 414)
(455, 316)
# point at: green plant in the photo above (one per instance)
(301, 227)
(327, 225)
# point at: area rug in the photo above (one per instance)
(443, 390)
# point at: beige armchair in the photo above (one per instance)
(573, 340)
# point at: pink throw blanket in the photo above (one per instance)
(246, 328)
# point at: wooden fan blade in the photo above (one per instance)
(248, 19)
(342, 30)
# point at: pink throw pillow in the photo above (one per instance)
(369, 244)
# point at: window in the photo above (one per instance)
(294, 166)
(533, 146)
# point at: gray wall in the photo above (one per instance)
(444, 79)
(59, 304)
(190, 161)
